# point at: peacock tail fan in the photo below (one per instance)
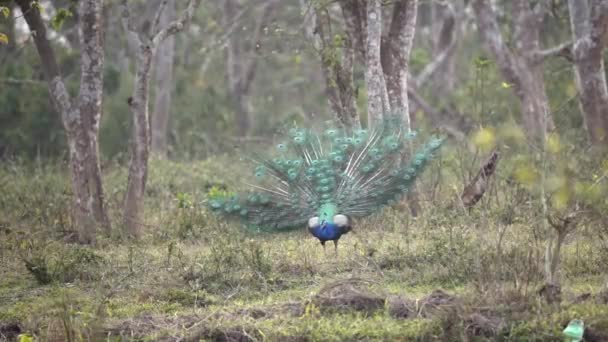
(326, 173)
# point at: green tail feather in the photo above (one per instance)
(312, 174)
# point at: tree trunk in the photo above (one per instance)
(339, 75)
(163, 70)
(377, 97)
(396, 57)
(534, 102)
(589, 26)
(521, 68)
(90, 100)
(241, 103)
(140, 146)
(145, 50)
(81, 119)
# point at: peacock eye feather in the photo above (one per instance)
(361, 133)
(331, 132)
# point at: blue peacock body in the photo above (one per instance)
(323, 180)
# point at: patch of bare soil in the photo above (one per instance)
(145, 325)
(9, 331)
(346, 295)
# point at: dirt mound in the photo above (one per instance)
(439, 303)
(219, 335)
(483, 324)
(142, 326)
(400, 307)
(9, 331)
(347, 295)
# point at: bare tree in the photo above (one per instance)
(241, 61)
(163, 75)
(80, 116)
(145, 46)
(520, 65)
(589, 24)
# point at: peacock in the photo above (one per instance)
(322, 179)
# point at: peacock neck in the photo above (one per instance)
(327, 212)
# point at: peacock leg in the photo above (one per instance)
(336, 246)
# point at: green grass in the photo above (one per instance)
(198, 276)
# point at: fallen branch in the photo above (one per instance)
(473, 192)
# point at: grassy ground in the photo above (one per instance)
(447, 275)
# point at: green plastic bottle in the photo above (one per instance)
(574, 331)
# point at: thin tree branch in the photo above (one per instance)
(563, 50)
(492, 38)
(208, 49)
(434, 115)
(177, 25)
(156, 21)
(58, 91)
(430, 69)
(221, 40)
(19, 81)
(249, 71)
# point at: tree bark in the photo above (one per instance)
(396, 57)
(145, 50)
(589, 24)
(377, 96)
(163, 71)
(140, 147)
(90, 99)
(80, 119)
(520, 68)
(338, 74)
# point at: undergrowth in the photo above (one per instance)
(197, 276)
